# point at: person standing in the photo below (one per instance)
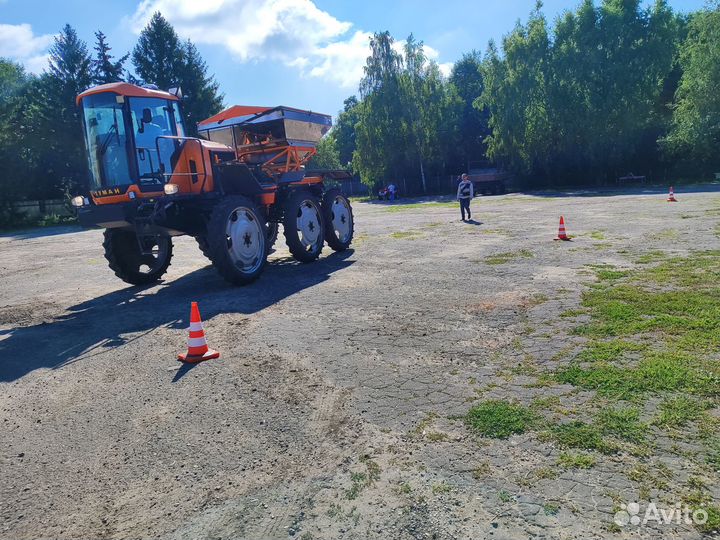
(465, 194)
(392, 189)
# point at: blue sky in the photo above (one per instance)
(301, 53)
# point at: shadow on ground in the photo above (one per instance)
(39, 232)
(93, 326)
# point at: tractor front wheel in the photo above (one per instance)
(125, 258)
(237, 240)
(339, 221)
(303, 226)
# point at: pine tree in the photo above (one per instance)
(158, 55)
(105, 70)
(201, 92)
(57, 118)
(160, 58)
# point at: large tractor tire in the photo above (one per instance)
(123, 254)
(202, 243)
(303, 226)
(237, 240)
(339, 220)
(272, 234)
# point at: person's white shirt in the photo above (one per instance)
(391, 188)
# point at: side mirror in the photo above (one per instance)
(147, 116)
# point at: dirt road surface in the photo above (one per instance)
(335, 408)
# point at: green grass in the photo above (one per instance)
(406, 235)
(676, 412)
(577, 434)
(499, 419)
(576, 461)
(597, 235)
(502, 258)
(400, 207)
(609, 351)
(623, 423)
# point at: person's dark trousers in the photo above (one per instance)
(465, 205)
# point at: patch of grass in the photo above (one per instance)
(650, 257)
(410, 207)
(597, 235)
(580, 435)
(404, 488)
(505, 497)
(572, 313)
(676, 412)
(660, 372)
(551, 509)
(665, 234)
(406, 235)
(441, 487)
(609, 351)
(576, 461)
(502, 258)
(713, 521)
(623, 423)
(361, 480)
(499, 419)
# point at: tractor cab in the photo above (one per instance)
(124, 128)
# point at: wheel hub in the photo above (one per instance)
(307, 224)
(244, 239)
(341, 219)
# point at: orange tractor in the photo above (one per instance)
(230, 188)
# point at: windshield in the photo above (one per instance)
(106, 140)
(152, 118)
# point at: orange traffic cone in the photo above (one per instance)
(671, 197)
(198, 350)
(562, 235)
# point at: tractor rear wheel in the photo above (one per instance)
(237, 240)
(272, 234)
(123, 254)
(339, 221)
(303, 226)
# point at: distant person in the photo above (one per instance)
(391, 189)
(465, 195)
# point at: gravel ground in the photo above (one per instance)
(332, 412)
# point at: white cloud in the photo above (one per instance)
(19, 43)
(294, 32)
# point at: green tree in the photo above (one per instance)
(51, 124)
(695, 133)
(345, 130)
(379, 132)
(105, 68)
(202, 93)
(12, 81)
(468, 141)
(157, 56)
(160, 58)
(327, 156)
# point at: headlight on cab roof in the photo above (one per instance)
(79, 201)
(171, 189)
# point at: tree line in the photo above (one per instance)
(604, 90)
(42, 154)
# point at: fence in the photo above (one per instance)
(32, 210)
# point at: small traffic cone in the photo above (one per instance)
(671, 197)
(198, 350)
(562, 235)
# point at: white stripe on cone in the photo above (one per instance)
(195, 326)
(196, 342)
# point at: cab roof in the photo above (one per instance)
(126, 89)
